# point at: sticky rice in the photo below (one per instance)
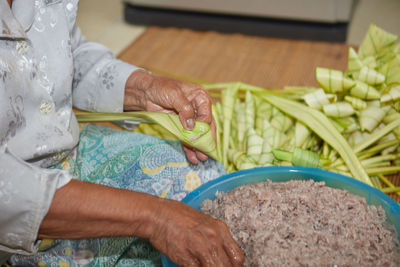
(305, 223)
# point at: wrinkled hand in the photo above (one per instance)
(191, 238)
(147, 92)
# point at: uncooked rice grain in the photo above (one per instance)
(305, 223)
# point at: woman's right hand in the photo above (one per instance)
(144, 91)
(81, 210)
(191, 238)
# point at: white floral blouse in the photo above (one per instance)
(46, 67)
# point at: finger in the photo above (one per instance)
(192, 262)
(203, 107)
(186, 260)
(202, 103)
(211, 253)
(235, 254)
(204, 255)
(201, 156)
(222, 257)
(233, 251)
(185, 110)
(218, 257)
(190, 155)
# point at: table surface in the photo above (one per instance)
(215, 57)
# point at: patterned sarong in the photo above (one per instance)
(130, 161)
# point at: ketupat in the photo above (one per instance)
(338, 109)
(333, 81)
(357, 103)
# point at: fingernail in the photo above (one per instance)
(190, 123)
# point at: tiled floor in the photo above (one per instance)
(102, 21)
(383, 13)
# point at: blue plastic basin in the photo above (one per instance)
(283, 174)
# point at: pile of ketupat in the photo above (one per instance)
(351, 125)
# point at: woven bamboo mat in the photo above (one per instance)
(214, 57)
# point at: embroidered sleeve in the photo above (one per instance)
(99, 78)
(26, 192)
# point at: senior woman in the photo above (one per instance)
(46, 67)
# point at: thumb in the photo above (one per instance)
(185, 111)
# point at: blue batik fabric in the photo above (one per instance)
(130, 161)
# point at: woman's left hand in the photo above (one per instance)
(144, 91)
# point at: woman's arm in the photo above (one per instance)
(188, 237)
(83, 210)
(26, 192)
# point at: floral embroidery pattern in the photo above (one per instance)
(3, 75)
(16, 115)
(22, 47)
(107, 77)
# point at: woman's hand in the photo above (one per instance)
(81, 210)
(191, 238)
(144, 91)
